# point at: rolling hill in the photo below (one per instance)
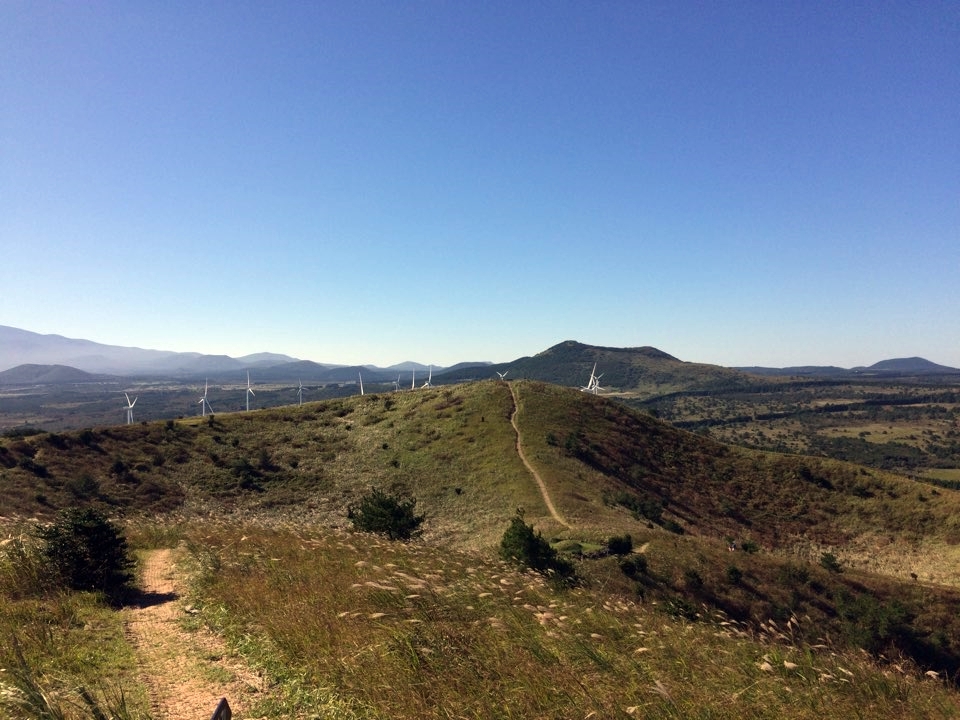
(642, 371)
(606, 470)
(48, 375)
(454, 448)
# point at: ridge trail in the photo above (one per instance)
(180, 668)
(523, 458)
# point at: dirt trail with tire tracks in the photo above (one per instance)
(523, 458)
(186, 672)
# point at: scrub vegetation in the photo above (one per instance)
(700, 579)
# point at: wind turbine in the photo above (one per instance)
(396, 384)
(413, 379)
(360, 375)
(502, 374)
(204, 405)
(429, 378)
(130, 408)
(249, 391)
(300, 393)
(593, 385)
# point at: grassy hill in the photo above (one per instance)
(608, 469)
(641, 371)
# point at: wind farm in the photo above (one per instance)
(130, 408)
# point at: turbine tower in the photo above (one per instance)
(204, 405)
(360, 375)
(300, 393)
(413, 379)
(130, 408)
(593, 385)
(249, 391)
(429, 378)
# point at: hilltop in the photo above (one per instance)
(47, 375)
(606, 470)
(454, 448)
(641, 371)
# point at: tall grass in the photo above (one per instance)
(382, 630)
(63, 655)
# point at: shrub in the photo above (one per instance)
(86, 552)
(620, 545)
(829, 561)
(520, 544)
(734, 575)
(749, 546)
(390, 515)
(692, 579)
(634, 566)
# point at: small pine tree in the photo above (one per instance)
(86, 552)
(390, 515)
(520, 544)
(620, 545)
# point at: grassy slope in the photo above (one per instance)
(453, 448)
(356, 627)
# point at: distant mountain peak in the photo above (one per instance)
(909, 365)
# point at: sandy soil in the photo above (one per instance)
(187, 673)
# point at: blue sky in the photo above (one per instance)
(736, 183)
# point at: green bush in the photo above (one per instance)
(829, 561)
(620, 545)
(734, 575)
(390, 515)
(633, 566)
(86, 552)
(520, 544)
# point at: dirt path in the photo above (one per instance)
(523, 458)
(186, 672)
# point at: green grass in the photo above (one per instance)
(453, 449)
(63, 654)
(363, 628)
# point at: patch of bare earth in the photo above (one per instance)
(186, 672)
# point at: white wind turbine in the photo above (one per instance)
(502, 374)
(300, 393)
(204, 405)
(413, 379)
(360, 375)
(249, 391)
(396, 384)
(130, 408)
(429, 378)
(593, 385)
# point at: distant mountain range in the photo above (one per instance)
(31, 358)
(22, 347)
(896, 367)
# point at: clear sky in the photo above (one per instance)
(739, 183)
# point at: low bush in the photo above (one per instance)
(633, 566)
(390, 515)
(520, 544)
(85, 551)
(620, 545)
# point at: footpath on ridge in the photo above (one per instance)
(180, 668)
(523, 458)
